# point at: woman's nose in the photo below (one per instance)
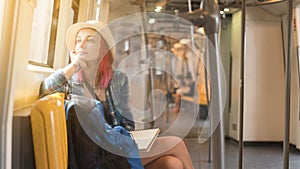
(82, 44)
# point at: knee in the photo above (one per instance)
(172, 162)
(178, 142)
(182, 144)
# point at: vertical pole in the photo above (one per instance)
(211, 30)
(218, 145)
(241, 117)
(206, 61)
(192, 40)
(150, 85)
(190, 5)
(286, 147)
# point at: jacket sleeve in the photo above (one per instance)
(56, 82)
(90, 114)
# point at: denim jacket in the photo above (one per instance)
(116, 139)
(118, 96)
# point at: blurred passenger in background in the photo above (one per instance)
(183, 76)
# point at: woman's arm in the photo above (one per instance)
(57, 82)
(75, 66)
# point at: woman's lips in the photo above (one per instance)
(82, 53)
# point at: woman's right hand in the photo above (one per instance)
(78, 63)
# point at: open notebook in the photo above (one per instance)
(145, 138)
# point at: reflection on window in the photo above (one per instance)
(44, 29)
(97, 9)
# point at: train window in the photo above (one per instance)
(75, 6)
(44, 29)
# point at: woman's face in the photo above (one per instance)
(88, 45)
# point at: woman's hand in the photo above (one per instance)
(78, 63)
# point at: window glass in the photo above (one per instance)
(43, 35)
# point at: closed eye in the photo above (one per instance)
(78, 40)
(91, 39)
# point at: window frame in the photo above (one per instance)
(51, 45)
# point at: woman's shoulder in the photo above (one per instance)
(119, 77)
(119, 73)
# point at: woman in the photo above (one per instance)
(90, 74)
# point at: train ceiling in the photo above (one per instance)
(275, 7)
(121, 7)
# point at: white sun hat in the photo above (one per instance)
(101, 27)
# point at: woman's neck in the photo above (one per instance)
(90, 73)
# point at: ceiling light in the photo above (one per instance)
(151, 21)
(159, 7)
(157, 10)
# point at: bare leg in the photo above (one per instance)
(166, 147)
(165, 162)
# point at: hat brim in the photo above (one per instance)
(100, 27)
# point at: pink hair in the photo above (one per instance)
(105, 66)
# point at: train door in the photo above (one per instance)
(295, 115)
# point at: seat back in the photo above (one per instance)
(49, 132)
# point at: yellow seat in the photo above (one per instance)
(49, 132)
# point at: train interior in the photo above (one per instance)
(239, 103)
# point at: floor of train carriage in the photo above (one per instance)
(256, 155)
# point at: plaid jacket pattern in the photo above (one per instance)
(117, 97)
